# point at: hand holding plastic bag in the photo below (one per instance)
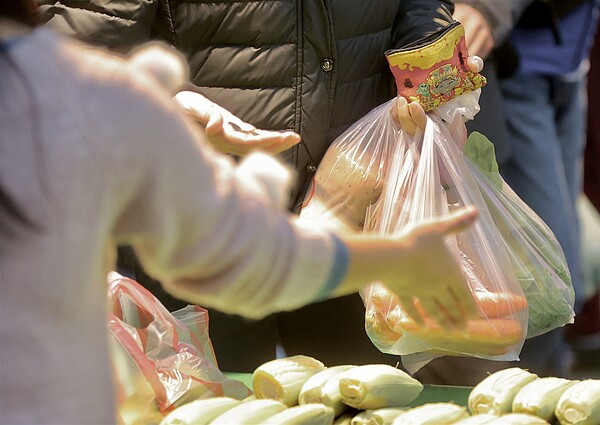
(377, 178)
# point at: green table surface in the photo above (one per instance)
(430, 393)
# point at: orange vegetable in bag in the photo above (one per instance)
(492, 305)
(482, 336)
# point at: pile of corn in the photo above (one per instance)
(512, 392)
(301, 390)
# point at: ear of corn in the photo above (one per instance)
(253, 412)
(384, 416)
(311, 390)
(378, 385)
(282, 379)
(331, 395)
(540, 397)
(306, 414)
(481, 419)
(580, 404)
(345, 419)
(495, 393)
(518, 419)
(432, 414)
(199, 412)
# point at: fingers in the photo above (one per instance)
(417, 113)
(478, 32)
(408, 306)
(289, 139)
(467, 304)
(410, 116)
(213, 122)
(457, 221)
(195, 104)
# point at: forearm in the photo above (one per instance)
(420, 18)
(369, 257)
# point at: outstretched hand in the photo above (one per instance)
(229, 134)
(433, 282)
(419, 269)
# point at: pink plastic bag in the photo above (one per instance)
(160, 362)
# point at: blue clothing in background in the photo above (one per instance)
(546, 107)
(539, 52)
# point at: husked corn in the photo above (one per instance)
(199, 412)
(331, 394)
(314, 389)
(518, 419)
(305, 414)
(384, 416)
(345, 419)
(480, 419)
(282, 379)
(378, 385)
(540, 397)
(580, 404)
(253, 412)
(432, 414)
(495, 393)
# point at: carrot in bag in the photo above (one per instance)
(491, 304)
(490, 337)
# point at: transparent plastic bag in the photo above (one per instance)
(160, 362)
(377, 179)
(534, 251)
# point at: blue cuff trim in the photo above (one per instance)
(341, 262)
(9, 42)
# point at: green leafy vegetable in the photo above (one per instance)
(480, 151)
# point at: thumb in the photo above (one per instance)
(213, 122)
(457, 221)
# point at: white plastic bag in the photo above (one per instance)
(375, 178)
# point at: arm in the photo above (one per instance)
(419, 18)
(226, 132)
(207, 231)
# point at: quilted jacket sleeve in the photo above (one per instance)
(419, 18)
(117, 25)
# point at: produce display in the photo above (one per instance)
(302, 390)
(323, 387)
(541, 396)
(580, 404)
(496, 393)
(282, 379)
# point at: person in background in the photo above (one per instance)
(545, 108)
(584, 335)
(96, 153)
(487, 25)
(309, 66)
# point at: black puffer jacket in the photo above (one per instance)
(313, 66)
